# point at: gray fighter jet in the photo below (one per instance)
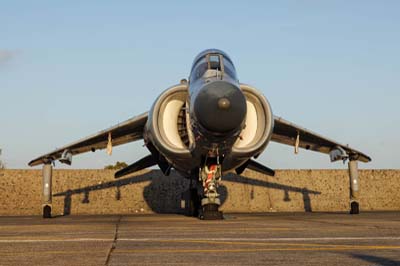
(205, 128)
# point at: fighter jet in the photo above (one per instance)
(204, 128)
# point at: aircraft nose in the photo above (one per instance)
(220, 107)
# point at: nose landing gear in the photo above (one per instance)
(210, 175)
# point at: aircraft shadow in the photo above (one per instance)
(161, 199)
(255, 182)
(375, 260)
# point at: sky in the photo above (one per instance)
(71, 68)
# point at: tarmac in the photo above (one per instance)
(371, 238)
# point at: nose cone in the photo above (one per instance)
(220, 107)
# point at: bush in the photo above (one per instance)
(117, 166)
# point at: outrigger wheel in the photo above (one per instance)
(46, 211)
(354, 208)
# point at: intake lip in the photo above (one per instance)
(220, 107)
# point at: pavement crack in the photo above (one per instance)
(114, 243)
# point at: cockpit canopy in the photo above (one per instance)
(213, 63)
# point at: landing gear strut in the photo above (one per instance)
(354, 188)
(210, 175)
(47, 196)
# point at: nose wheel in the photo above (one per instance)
(210, 175)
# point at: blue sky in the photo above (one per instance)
(69, 69)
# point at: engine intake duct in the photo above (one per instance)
(182, 126)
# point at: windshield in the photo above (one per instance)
(229, 69)
(199, 69)
(214, 62)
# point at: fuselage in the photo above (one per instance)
(211, 119)
(217, 104)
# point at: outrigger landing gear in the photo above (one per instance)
(210, 175)
(339, 153)
(354, 188)
(47, 196)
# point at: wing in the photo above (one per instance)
(288, 133)
(127, 131)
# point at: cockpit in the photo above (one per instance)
(212, 65)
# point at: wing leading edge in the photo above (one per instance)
(124, 132)
(288, 133)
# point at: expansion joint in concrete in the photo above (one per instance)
(114, 243)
